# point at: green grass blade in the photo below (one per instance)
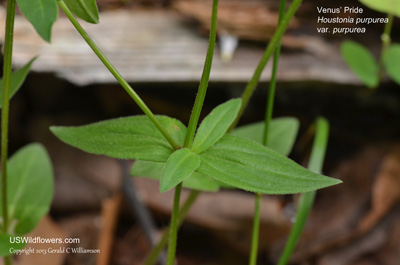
(307, 199)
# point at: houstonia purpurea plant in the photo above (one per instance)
(203, 157)
(369, 70)
(27, 177)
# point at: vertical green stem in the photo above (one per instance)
(155, 252)
(256, 231)
(201, 94)
(194, 118)
(386, 40)
(8, 49)
(173, 231)
(117, 75)
(307, 199)
(268, 117)
(249, 90)
(272, 86)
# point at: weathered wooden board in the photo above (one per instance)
(157, 46)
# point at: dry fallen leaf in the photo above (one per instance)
(385, 192)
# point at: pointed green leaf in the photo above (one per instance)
(84, 9)
(282, 133)
(41, 13)
(30, 188)
(17, 79)
(361, 61)
(133, 137)
(153, 170)
(392, 62)
(251, 166)
(215, 125)
(9, 245)
(385, 6)
(180, 165)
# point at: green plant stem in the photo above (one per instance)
(249, 90)
(8, 49)
(272, 84)
(245, 97)
(268, 117)
(156, 251)
(194, 119)
(386, 40)
(117, 75)
(201, 94)
(173, 231)
(307, 199)
(256, 231)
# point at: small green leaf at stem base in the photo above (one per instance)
(153, 170)
(282, 133)
(84, 9)
(133, 137)
(17, 79)
(180, 165)
(361, 61)
(251, 166)
(215, 125)
(391, 61)
(8, 245)
(30, 188)
(41, 13)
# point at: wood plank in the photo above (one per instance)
(157, 46)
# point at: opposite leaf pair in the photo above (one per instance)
(363, 64)
(227, 159)
(183, 162)
(282, 135)
(43, 13)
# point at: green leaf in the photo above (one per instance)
(84, 9)
(215, 125)
(30, 188)
(392, 62)
(133, 137)
(361, 61)
(180, 165)
(17, 79)
(251, 166)
(385, 6)
(9, 245)
(153, 170)
(41, 13)
(282, 133)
